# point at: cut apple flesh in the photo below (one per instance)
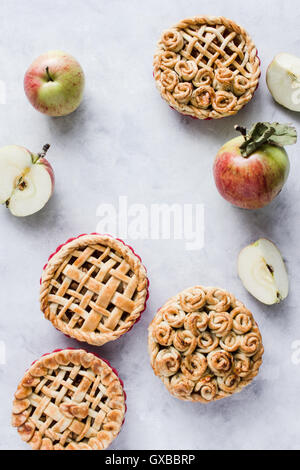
(31, 196)
(263, 273)
(283, 80)
(25, 186)
(14, 162)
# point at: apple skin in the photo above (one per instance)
(62, 93)
(254, 181)
(47, 165)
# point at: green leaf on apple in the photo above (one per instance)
(266, 133)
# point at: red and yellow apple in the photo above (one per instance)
(251, 178)
(54, 83)
(26, 180)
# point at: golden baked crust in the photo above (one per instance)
(204, 345)
(94, 289)
(206, 67)
(69, 400)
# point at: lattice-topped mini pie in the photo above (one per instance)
(204, 345)
(94, 288)
(69, 400)
(206, 67)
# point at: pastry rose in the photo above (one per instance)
(173, 315)
(259, 352)
(192, 300)
(169, 79)
(240, 85)
(223, 79)
(194, 366)
(183, 92)
(230, 342)
(220, 362)
(207, 341)
(196, 322)
(219, 300)
(220, 323)
(250, 343)
(181, 386)
(256, 360)
(202, 97)
(242, 320)
(163, 333)
(204, 76)
(224, 101)
(206, 389)
(172, 40)
(241, 365)
(186, 69)
(167, 362)
(229, 383)
(168, 59)
(185, 341)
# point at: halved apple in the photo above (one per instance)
(26, 180)
(283, 80)
(263, 272)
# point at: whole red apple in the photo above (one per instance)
(250, 170)
(54, 83)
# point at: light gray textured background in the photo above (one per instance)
(124, 140)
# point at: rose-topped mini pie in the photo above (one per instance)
(69, 400)
(94, 288)
(204, 345)
(206, 67)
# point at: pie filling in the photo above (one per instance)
(67, 394)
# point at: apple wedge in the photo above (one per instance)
(263, 272)
(26, 180)
(283, 80)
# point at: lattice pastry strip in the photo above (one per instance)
(69, 400)
(204, 345)
(94, 289)
(198, 48)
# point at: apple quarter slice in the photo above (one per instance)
(14, 161)
(263, 272)
(283, 80)
(36, 193)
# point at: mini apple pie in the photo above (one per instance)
(69, 400)
(206, 67)
(204, 345)
(94, 288)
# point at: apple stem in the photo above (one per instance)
(48, 75)
(42, 154)
(242, 130)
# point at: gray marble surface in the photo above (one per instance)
(124, 140)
